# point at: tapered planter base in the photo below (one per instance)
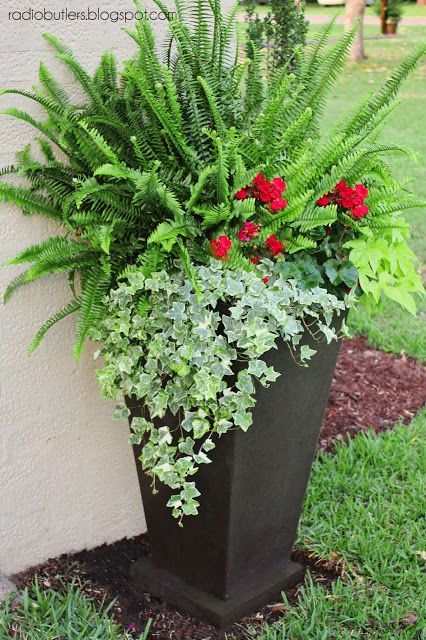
(221, 613)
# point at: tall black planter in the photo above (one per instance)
(234, 556)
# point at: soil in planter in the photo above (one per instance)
(371, 389)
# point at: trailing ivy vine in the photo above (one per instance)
(181, 357)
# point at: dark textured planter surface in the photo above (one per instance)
(235, 555)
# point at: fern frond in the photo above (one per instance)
(299, 243)
(30, 203)
(214, 107)
(198, 189)
(221, 173)
(186, 260)
(50, 106)
(65, 54)
(51, 86)
(25, 117)
(50, 248)
(72, 307)
(316, 217)
(91, 309)
(17, 282)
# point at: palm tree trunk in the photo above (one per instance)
(355, 11)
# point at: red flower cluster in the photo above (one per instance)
(274, 245)
(348, 198)
(220, 247)
(267, 192)
(248, 231)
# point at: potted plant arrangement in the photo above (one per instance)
(394, 11)
(213, 242)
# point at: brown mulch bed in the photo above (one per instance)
(371, 389)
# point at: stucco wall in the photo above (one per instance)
(67, 476)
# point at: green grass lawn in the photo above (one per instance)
(365, 506)
(49, 615)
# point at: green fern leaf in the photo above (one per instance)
(72, 307)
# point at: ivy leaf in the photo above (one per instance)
(200, 427)
(175, 501)
(141, 426)
(306, 352)
(187, 446)
(164, 436)
(222, 426)
(201, 458)
(257, 368)
(243, 419)
(121, 412)
(208, 445)
(189, 491)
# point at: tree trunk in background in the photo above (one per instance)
(355, 11)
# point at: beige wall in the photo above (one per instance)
(67, 477)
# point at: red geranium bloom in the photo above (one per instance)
(255, 259)
(324, 200)
(264, 195)
(241, 194)
(259, 179)
(357, 200)
(361, 191)
(274, 245)
(220, 247)
(265, 279)
(279, 183)
(248, 231)
(278, 204)
(347, 202)
(341, 186)
(360, 211)
(266, 191)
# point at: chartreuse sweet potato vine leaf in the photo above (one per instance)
(386, 267)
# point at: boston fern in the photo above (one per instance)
(155, 154)
(187, 180)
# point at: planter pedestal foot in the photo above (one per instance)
(221, 613)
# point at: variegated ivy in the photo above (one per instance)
(176, 355)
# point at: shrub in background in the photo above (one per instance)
(282, 30)
(394, 9)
